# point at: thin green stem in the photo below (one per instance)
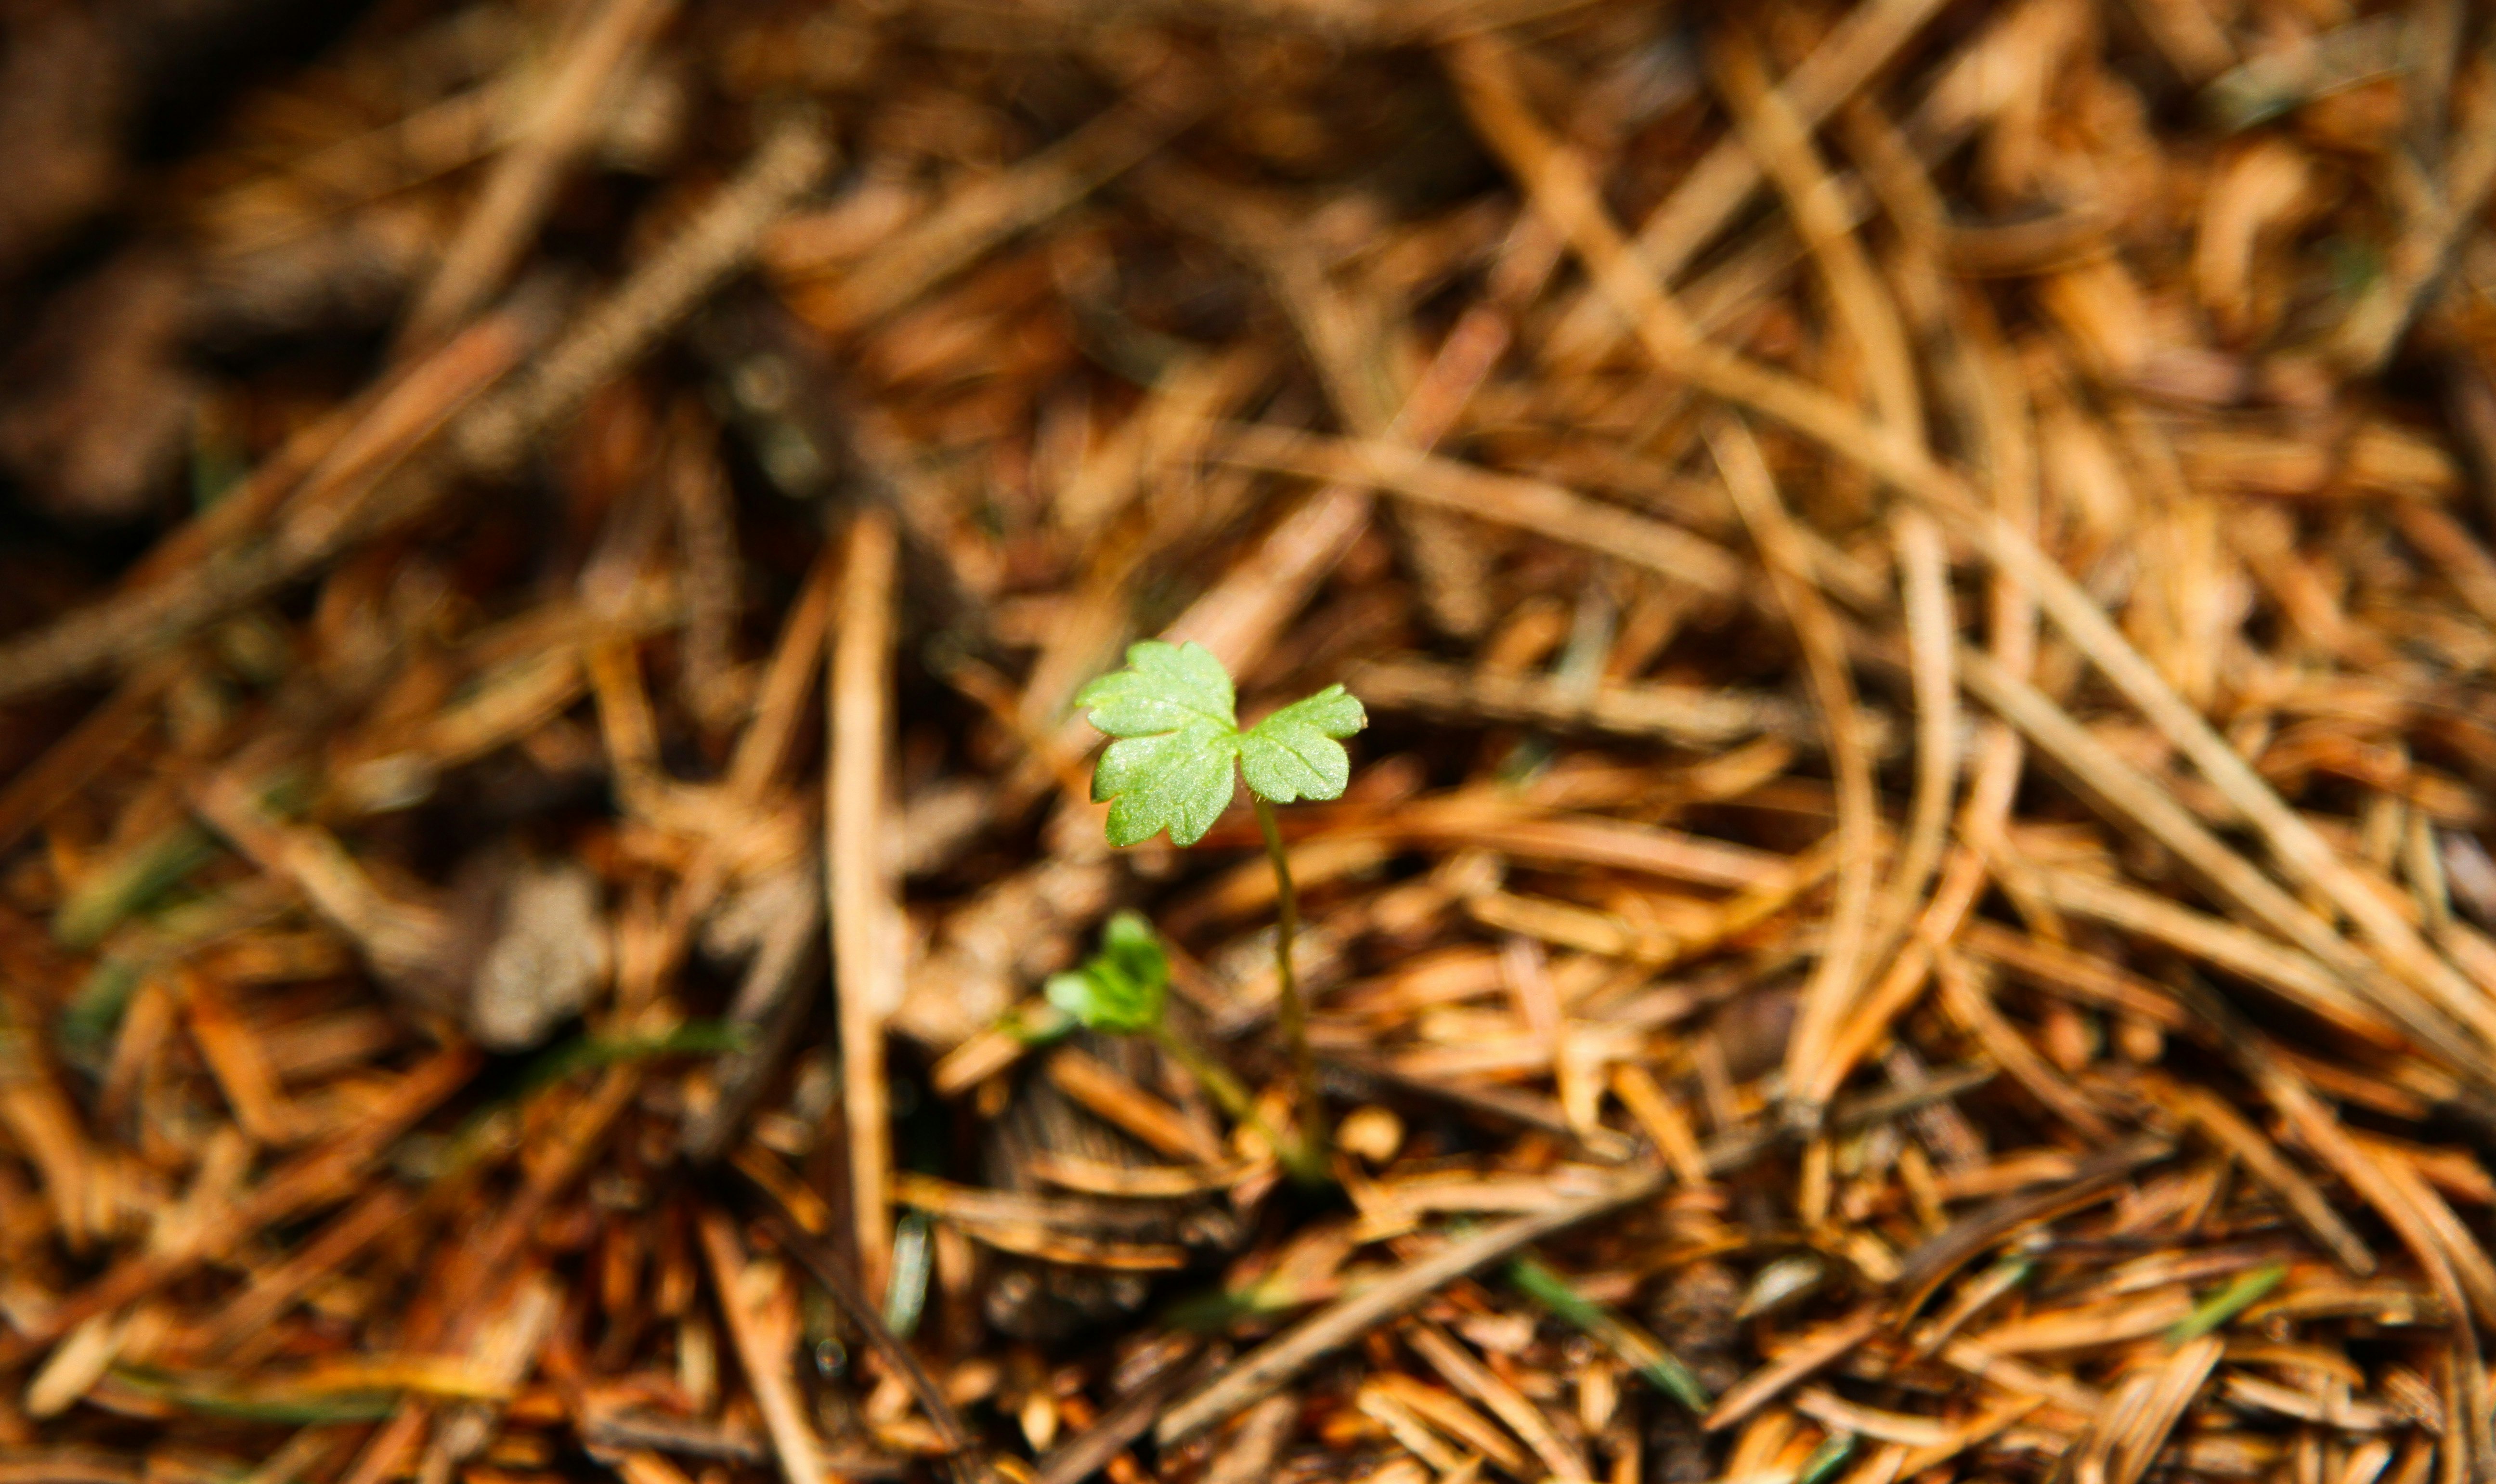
(1289, 1010)
(1296, 1155)
(1210, 1075)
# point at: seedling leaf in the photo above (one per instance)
(1176, 716)
(1172, 709)
(1099, 1003)
(1121, 988)
(1293, 754)
(1180, 781)
(1166, 688)
(1129, 945)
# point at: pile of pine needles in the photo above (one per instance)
(1916, 904)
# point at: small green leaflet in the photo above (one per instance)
(1121, 988)
(1174, 713)
(1173, 705)
(1131, 949)
(1293, 754)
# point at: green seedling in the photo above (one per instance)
(1124, 990)
(1179, 747)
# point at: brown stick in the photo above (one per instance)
(624, 326)
(863, 895)
(763, 1355)
(212, 565)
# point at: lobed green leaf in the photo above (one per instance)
(1176, 782)
(1293, 754)
(1166, 688)
(1172, 709)
(1174, 714)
